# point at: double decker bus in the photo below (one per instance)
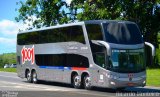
(102, 53)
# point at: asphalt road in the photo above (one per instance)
(13, 86)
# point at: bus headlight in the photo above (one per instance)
(144, 82)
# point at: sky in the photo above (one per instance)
(8, 26)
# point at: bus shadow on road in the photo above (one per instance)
(53, 84)
(128, 90)
(108, 90)
(142, 90)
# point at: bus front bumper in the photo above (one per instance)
(121, 83)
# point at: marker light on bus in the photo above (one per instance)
(112, 76)
(144, 82)
(112, 83)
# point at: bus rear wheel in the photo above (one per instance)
(76, 82)
(87, 82)
(28, 76)
(34, 77)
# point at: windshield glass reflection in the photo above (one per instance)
(127, 61)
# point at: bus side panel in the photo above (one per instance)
(20, 71)
(20, 67)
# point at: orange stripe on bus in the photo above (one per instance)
(78, 68)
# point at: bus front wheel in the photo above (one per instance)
(87, 82)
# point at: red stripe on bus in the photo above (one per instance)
(78, 68)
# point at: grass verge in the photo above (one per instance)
(8, 69)
(153, 77)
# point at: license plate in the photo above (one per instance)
(130, 84)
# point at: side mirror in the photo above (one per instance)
(107, 47)
(152, 48)
(105, 44)
(150, 52)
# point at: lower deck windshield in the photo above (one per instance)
(127, 61)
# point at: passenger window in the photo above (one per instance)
(94, 32)
(64, 34)
(76, 34)
(100, 59)
(53, 35)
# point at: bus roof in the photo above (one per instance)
(52, 27)
(106, 21)
(78, 23)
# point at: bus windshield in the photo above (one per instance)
(122, 33)
(127, 61)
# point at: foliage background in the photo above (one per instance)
(9, 58)
(44, 13)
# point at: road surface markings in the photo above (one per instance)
(35, 86)
(40, 87)
(20, 87)
(8, 72)
(9, 76)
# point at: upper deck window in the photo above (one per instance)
(63, 34)
(94, 31)
(122, 33)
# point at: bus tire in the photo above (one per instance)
(76, 81)
(34, 77)
(87, 82)
(28, 76)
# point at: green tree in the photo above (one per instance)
(9, 58)
(97, 9)
(146, 13)
(42, 12)
(1, 61)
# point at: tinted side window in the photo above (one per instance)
(72, 33)
(33, 38)
(65, 34)
(28, 38)
(53, 35)
(67, 60)
(94, 32)
(43, 37)
(74, 60)
(51, 60)
(76, 34)
(99, 59)
(21, 39)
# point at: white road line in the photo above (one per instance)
(8, 72)
(17, 87)
(44, 88)
(85, 93)
(9, 76)
(11, 73)
(35, 86)
(27, 88)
